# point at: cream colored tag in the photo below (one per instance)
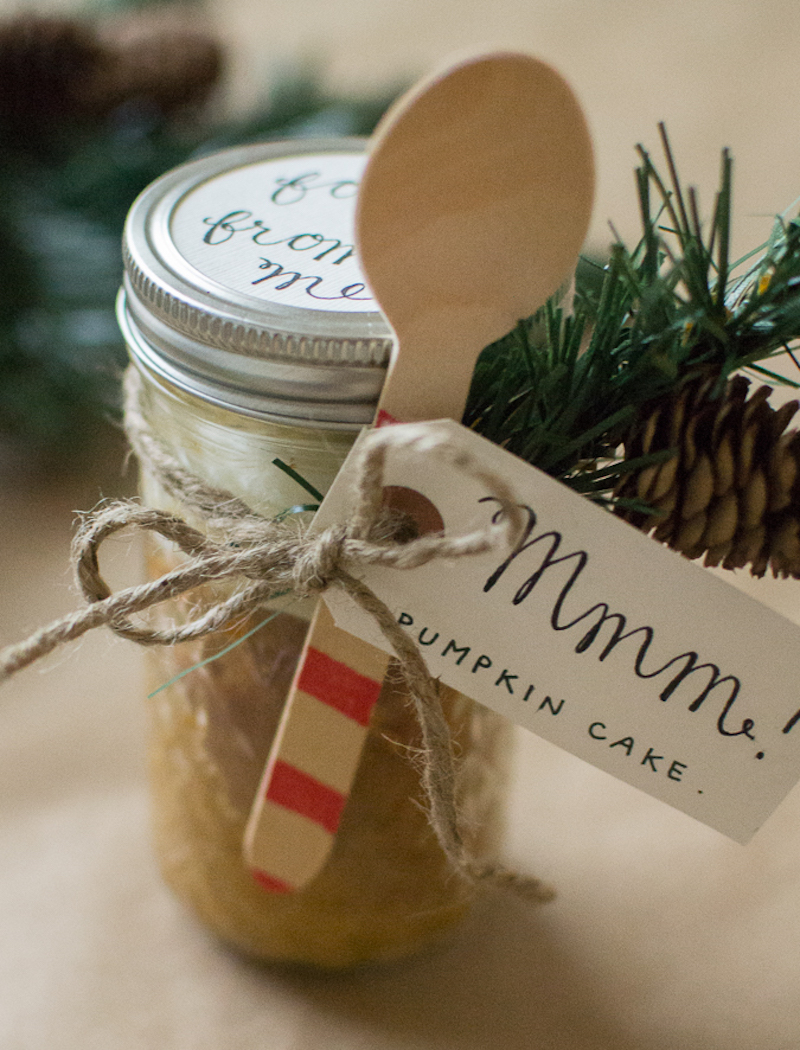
(598, 639)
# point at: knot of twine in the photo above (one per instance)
(273, 557)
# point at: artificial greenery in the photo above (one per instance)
(564, 389)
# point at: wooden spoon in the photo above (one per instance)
(471, 212)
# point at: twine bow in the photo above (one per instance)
(272, 557)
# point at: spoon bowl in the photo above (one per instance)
(471, 213)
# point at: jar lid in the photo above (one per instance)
(241, 284)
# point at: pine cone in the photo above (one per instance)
(55, 70)
(731, 492)
(48, 66)
(161, 60)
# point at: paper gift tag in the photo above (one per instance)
(597, 638)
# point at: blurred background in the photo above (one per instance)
(665, 935)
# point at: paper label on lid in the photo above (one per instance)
(598, 639)
(281, 230)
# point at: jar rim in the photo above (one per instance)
(280, 394)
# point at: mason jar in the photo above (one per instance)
(258, 354)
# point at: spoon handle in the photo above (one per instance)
(316, 752)
(314, 757)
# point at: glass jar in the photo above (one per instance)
(255, 340)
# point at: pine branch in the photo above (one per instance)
(563, 391)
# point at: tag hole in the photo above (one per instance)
(416, 515)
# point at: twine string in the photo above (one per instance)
(272, 557)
